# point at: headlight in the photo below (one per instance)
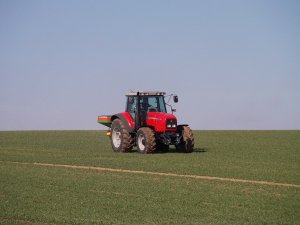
(171, 123)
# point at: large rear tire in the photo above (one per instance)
(145, 140)
(187, 143)
(121, 140)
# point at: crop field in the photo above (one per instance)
(73, 177)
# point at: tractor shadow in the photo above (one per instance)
(173, 150)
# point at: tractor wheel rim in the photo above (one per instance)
(141, 142)
(116, 137)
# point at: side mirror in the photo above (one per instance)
(175, 98)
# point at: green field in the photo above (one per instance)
(39, 195)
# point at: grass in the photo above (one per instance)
(32, 194)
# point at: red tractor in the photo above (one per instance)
(147, 125)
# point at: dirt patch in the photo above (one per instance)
(162, 174)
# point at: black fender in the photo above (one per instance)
(180, 129)
(124, 121)
(180, 126)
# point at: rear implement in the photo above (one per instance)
(105, 120)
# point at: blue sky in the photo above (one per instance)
(233, 64)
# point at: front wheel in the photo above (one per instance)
(145, 140)
(187, 142)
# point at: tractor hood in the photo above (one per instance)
(162, 122)
(160, 116)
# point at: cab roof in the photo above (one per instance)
(135, 93)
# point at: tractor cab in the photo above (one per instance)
(140, 104)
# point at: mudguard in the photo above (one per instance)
(126, 120)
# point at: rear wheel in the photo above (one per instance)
(145, 140)
(187, 142)
(121, 140)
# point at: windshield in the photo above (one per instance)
(155, 103)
